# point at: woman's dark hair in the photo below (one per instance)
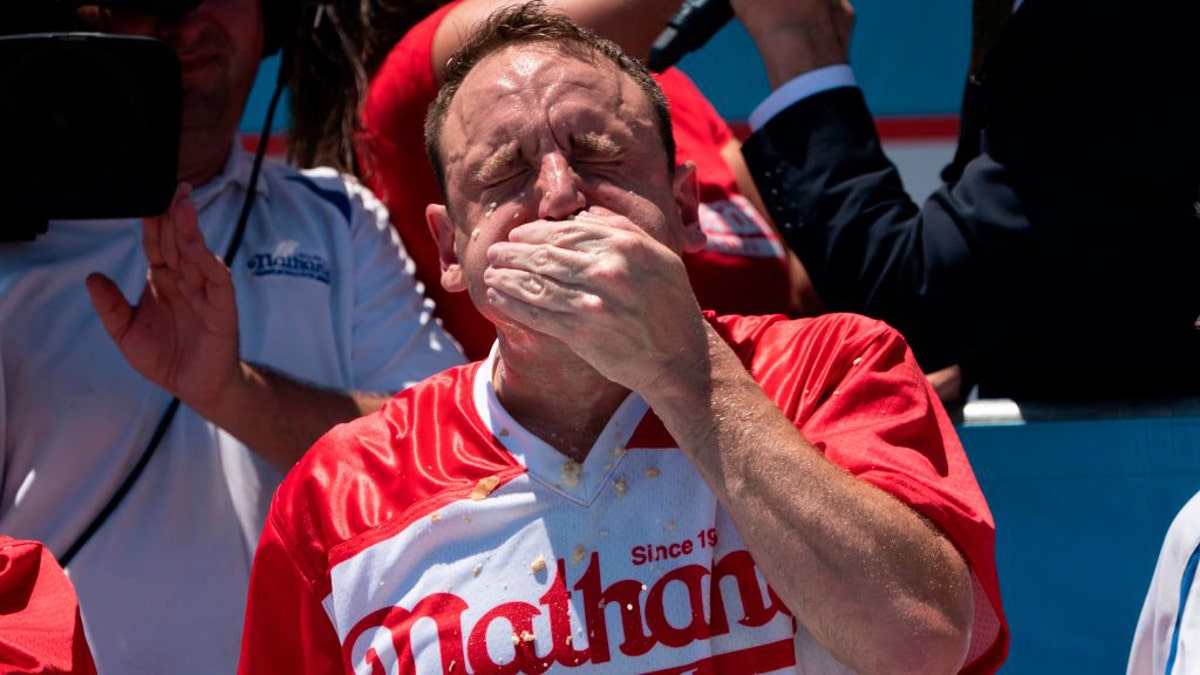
(342, 47)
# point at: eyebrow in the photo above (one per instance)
(496, 162)
(597, 142)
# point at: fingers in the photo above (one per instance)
(538, 290)
(585, 226)
(114, 310)
(564, 265)
(160, 236)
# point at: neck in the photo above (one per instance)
(555, 395)
(202, 157)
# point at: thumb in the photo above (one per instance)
(114, 310)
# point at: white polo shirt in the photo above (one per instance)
(325, 293)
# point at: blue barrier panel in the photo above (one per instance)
(1081, 507)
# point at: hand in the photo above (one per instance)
(617, 297)
(183, 333)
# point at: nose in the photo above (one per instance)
(560, 189)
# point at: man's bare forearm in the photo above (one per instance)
(796, 36)
(876, 584)
(280, 417)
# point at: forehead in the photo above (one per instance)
(525, 89)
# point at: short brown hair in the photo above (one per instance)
(531, 23)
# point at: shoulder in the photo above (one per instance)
(322, 189)
(774, 334)
(801, 363)
(365, 473)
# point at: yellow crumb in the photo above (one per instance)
(484, 488)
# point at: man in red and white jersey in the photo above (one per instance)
(626, 484)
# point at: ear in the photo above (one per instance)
(444, 232)
(687, 200)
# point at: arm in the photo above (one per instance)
(183, 336)
(985, 258)
(633, 24)
(850, 560)
(795, 38)
(874, 582)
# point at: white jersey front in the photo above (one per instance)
(324, 293)
(625, 563)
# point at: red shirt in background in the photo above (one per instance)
(40, 628)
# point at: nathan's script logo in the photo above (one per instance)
(643, 615)
(287, 261)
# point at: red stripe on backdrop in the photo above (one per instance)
(276, 144)
(923, 128)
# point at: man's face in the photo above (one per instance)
(535, 134)
(219, 45)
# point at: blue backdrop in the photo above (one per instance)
(909, 57)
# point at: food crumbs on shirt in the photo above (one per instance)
(475, 233)
(571, 471)
(621, 485)
(484, 488)
(526, 636)
(629, 606)
(608, 467)
(476, 570)
(856, 361)
(538, 565)
(452, 665)
(503, 432)
(578, 554)
(435, 517)
(516, 639)
(652, 473)
(569, 638)
(618, 451)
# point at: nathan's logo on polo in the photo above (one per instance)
(286, 260)
(382, 641)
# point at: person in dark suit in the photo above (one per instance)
(1059, 259)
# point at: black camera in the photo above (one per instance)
(89, 123)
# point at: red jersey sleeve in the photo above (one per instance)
(286, 629)
(40, 627)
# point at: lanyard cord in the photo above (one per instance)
(169, 414)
